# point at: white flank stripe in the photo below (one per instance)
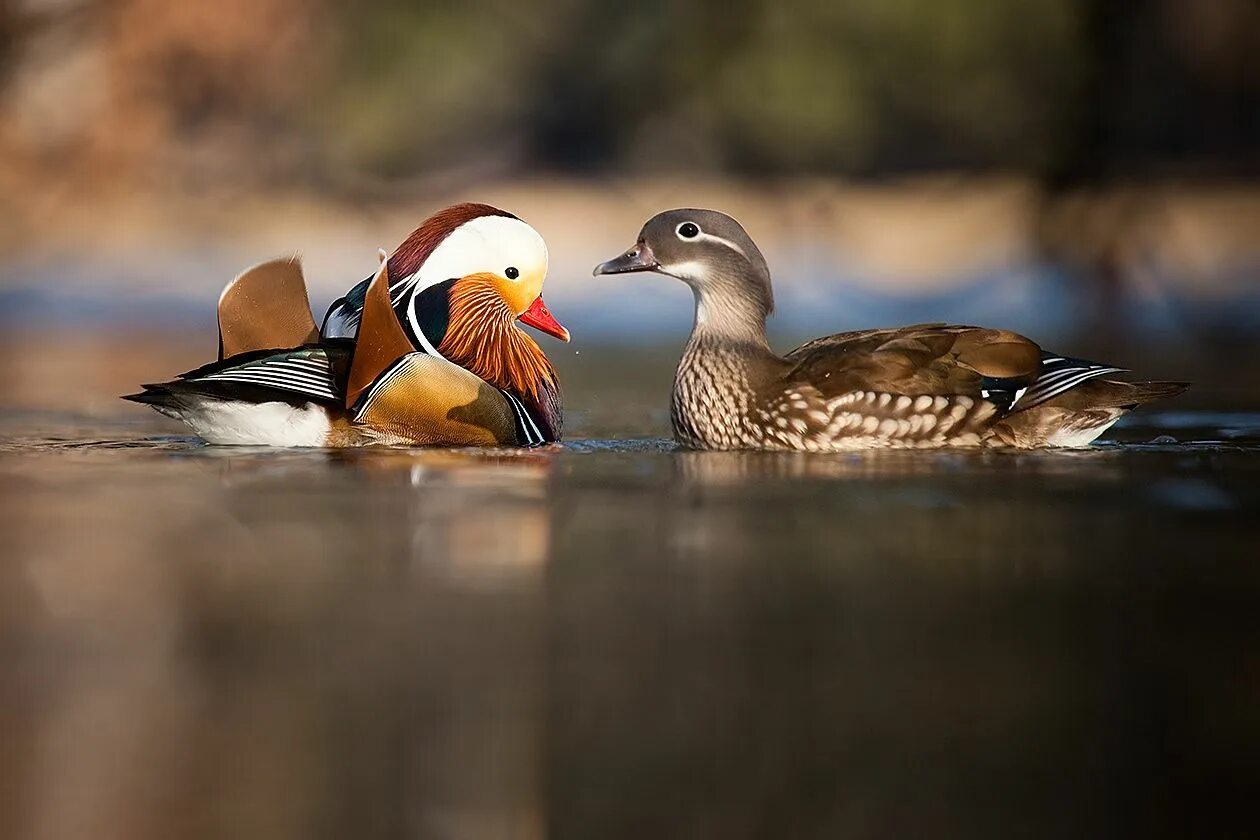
(320, 376)
(529, 425)
(262, 374)
(318, 364)
(303, 370)
(518, 414)
(267, 375)
(253, 379)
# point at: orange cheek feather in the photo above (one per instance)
(482, 337)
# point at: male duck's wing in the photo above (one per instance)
(923, 360)
(404, 395)
(265, 307)
(312, 374)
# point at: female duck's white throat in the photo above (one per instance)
(723, 313)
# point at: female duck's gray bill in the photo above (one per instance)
(638, 258)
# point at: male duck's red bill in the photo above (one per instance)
(540, 318)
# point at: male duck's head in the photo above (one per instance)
(709, 251)
(503, 253)
(459, 284)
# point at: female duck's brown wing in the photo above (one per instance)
(265, 308)
(928, 359)
(399, 395)
(926, 385)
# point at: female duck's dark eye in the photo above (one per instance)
(688, 230)
(512, 273)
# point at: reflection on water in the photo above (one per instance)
(614, 638)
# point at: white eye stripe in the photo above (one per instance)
(708, 237)
(488, 244)
(701, 236)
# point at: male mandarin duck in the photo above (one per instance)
(426, 351)
(930, 385)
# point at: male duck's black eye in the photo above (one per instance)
(688, 230)
(512, 273)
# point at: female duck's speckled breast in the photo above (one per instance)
(711, 403)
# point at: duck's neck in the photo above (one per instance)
(728, 320)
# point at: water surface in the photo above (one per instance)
(615, 638)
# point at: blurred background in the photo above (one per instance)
(1084, 171)
(614, 638)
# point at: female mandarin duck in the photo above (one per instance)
(930, 385)
(425, 352)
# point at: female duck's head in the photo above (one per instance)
(712, 253)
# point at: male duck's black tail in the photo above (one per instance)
(161, 398)
(152, 395)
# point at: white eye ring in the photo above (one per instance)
(690, 234)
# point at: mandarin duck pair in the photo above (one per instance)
(427, 352)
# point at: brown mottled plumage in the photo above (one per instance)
(931, 385)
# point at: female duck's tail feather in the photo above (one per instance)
(1140, 393)
(1077, 417)
(1110, 393)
